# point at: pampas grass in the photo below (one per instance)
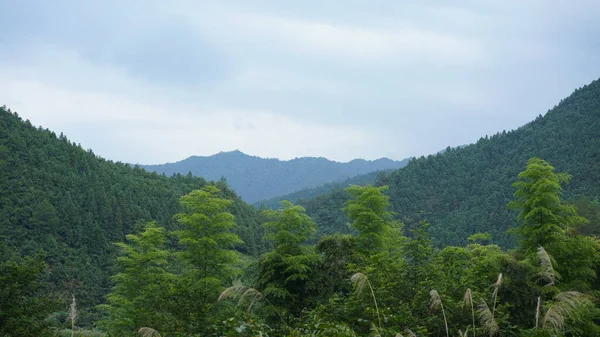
(374, 331)
(246, 295)
(243, 294)
(486, 317)
(566, 306)
(408, 333)
(497, 285)
(148, 332)
(435, 302)
(72, 315)
(468, 301)
(537, 312)
(360, 280)
(547, 272)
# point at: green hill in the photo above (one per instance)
(256, 179)
(465, 190)
(309, 193)
(74, 205)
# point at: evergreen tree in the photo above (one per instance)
(367, 209)
(24, 300)
(285, 271)
(546, 221)
(143, 286)
(208, 257)
(544, 218)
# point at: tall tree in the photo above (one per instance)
(143, 285)
(546, 221)
(24, 302)
(544, 218)
(208, 257)
(367, 209)
(284, 271)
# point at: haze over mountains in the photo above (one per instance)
(255, 179)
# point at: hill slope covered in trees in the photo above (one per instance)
(256, 179)
(313, 192)
(74, 205)
(465, 190)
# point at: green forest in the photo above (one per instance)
(465, 190)
(498, 238)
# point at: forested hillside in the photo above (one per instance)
(310, 193)
(255, 179)
(69, 219)
(465, 190)
(74, 205)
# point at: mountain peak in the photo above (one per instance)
(255, 178)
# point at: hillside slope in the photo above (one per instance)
(313, 192)
(465, 190)
(256, 179)
(74, 205)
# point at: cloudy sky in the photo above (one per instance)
(155, 81)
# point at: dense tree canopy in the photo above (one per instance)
(465, 190)
(74, 205)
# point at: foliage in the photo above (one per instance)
(465, 190)
(24, 302)
(285, 271)
(379, 280)
(311, 193)
(367, 209)
(208, 258)
(74, 205)
(143, 285)
(547, 222)
(545, 219)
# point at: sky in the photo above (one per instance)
(144, 81)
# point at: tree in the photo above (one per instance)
(208, 258)
(143, 284)
(545, 219)
(285, 271)
(24, 301)
(368, 212)
(548, 222)
(206, 235)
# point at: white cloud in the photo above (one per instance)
(307, 78)
(121, 126)
(284, 80)
(399, 44)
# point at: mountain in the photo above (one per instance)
(313, 192)
(465, 190)
(57, 197)
(256, 179)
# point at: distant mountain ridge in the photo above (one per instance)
(256, 179)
